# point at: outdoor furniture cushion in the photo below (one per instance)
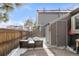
(30, 41)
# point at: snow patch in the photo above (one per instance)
(17, 52)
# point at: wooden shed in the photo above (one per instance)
(57, 31)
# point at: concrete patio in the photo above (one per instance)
(62, 52)
(42, 51)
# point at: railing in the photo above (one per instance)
(9, 39)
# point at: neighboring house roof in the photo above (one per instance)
(50, 11)
(74, 12)
(15, 27)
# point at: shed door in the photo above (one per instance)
(61, 33)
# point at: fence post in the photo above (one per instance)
(21, 34)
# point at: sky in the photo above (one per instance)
(28, 10)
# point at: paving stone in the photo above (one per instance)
(62, 52)
(35, 52)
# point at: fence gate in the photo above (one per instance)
(59, 33)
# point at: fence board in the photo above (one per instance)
(9, 39)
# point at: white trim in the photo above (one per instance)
(53, 11)
(72, 23)
(66, 34)
(50, 35)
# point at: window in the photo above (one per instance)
(75, 23)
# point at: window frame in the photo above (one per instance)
(73, 25)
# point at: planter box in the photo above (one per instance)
(26, 44)
(39, 43)
(23, 43)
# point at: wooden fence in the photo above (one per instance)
(9, 39)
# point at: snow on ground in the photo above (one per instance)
(18, 51)
(46, 48)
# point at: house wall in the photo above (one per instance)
(75, 35)
(46, 17)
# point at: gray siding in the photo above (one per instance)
(46, 17)
(53, 34)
